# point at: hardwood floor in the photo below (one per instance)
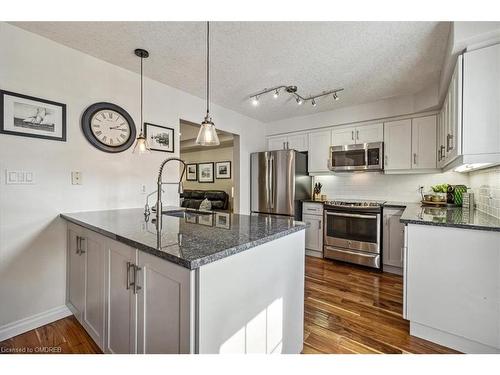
(63, 336)
(348, 309)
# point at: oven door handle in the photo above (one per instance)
(352, 215)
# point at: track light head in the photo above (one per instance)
(255, 100)
(298, 100)
(335, 96)
(313, 102)
(276, 94)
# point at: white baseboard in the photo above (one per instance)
(314, 253)
(27, 324)
(394, 270)
(451, 341)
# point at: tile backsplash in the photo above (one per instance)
(486, 186)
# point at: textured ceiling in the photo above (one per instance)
(371, 60)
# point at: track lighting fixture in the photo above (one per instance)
(292, 90)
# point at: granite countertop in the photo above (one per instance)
(454, 217)
(188, 239)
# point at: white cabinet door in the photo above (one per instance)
(298, 142)
(314, 233)
(393, 238)
(76, 272)
(370, 133)
(423, 134)
(319, 149)
(481, 101)
(276, 143)
(94, 311)
(121, 300)
(397, 143)
(343, 136)
(164, 307)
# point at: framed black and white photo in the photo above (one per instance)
(28, 116)
(191, 172)
(191, 218)
(160, 138)
(223, 220)
(205, 172)
(223, 169)
(207, 220)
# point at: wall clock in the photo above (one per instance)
(108, 127)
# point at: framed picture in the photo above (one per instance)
(223, 220)
(223, 169)
(190, 218)
(207, 220)
(28, 116)
(160, 138)
(192, 172)
(205, 172)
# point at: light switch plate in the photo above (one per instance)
(19, 177)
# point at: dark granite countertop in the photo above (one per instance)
(455, 217)
(191, 239)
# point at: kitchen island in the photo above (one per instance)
(452, 277)
(203, 283)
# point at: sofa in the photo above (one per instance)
(193, 199)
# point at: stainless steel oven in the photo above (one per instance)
(353, 233)
(359, 157)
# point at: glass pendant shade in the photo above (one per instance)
(207, 136)
(141, 145)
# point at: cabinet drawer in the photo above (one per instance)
(312, 208)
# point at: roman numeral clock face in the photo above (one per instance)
(108, 127)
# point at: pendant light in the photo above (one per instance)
(207, 136)
(141, 143)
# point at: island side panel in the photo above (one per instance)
(454, 287)
(253, 302)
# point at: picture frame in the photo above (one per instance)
(207, 220)
(206, 172)
(28, 116)
(192, 172)
(223, 170)
(191, 218)
(223, 220)
(160, 138)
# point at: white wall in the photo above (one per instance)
(390, 107)
(402, 188)
(32, 236)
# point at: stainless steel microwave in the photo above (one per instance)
(359, 157)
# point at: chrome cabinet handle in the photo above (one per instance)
(352, 135)
(284, 147)
(319, 224)
(449, 137)
(442, 152)
(128, 274)
(357, 135)
(353, 215)
(81, 247)
(78, 245)
(415, 158)
(136, 287)
(439, 154)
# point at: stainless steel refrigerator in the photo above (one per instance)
(279, 182)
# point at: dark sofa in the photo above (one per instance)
(193, 199)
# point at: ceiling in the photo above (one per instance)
(370, 60)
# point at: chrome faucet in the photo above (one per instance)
(159, 208)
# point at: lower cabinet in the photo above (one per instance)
(128, 301)
(313, 216)
(393, 241)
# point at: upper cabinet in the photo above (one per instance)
(319, 149)
(297, 142)
(357, 134)
(481, 101)
(449, 123)
(410, 145)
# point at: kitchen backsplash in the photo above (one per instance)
(389, 187)
(486, 186)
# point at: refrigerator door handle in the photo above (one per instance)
(268, 187)
(271, 182)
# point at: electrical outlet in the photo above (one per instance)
(143, 189)
(76, 178)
